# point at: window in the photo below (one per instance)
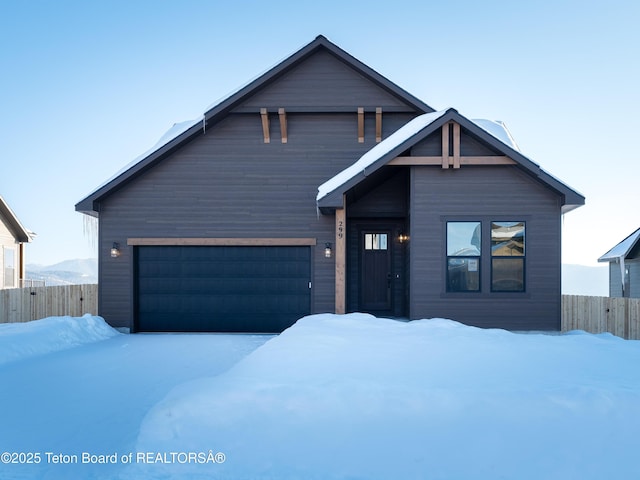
(375, 241)
(9, 267)
(463, 256)
(507, 256)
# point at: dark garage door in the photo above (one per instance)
(221, 289)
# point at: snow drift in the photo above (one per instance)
(19, 341)
(354, 396)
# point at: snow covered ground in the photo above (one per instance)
(74, 385)
(333, 397)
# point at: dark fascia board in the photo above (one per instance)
(571, 198)
(320, 42)
(90, 204)
(20, 233)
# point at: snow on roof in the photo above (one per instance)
(496, 128)
(622, 249)
(174, 132)
(377, 152)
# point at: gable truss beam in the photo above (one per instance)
(451, 156)
(466, 160)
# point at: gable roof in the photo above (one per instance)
(330, 194)
(622, 249)
(20, 233)
(188, 130)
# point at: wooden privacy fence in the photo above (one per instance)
(620, 316)
(33, 303)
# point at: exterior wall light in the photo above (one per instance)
(327, 250)
(403, 237)
(115, 250)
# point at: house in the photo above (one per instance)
(13, 237)
(624, 267)
(321, 186)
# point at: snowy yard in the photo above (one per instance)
(333, 397)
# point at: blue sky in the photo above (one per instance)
(88, 86)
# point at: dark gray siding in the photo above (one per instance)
(484, 194)
(229, 183)
(382, 200)
(322, 81)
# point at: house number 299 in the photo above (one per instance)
(340, 229)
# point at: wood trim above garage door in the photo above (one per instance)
(237, 242)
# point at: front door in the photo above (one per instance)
(376, 270)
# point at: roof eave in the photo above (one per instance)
(20, 233)
(570, 198)
(609, 257)
(90, 204)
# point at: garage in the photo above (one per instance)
(221, 288)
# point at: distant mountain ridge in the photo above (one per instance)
(68, 272)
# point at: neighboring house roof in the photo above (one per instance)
(622, 249)
(183, 132)
(20, 233)
(330, 193)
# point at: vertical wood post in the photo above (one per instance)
(456, 145)
(341, 256)
(445, 145)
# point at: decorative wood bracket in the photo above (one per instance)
(265, 125)
(283, 124)
(360, 125)
(378, 124)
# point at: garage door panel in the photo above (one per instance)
(227, 289)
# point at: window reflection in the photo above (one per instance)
(464, 245)
(507, 239)
(463, 239)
